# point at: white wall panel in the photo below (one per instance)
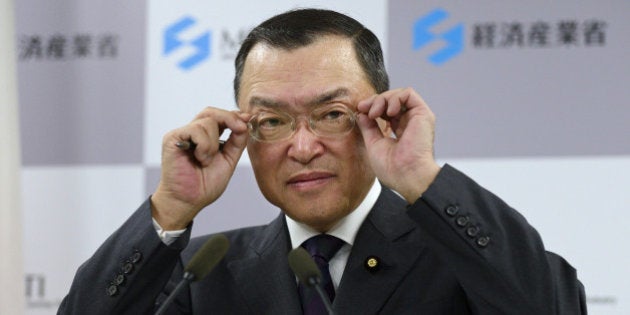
(69, 212)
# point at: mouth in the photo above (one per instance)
(309, 180)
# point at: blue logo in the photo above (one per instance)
(453, 38)
(201, 43)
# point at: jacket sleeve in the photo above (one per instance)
(496, 255)
(127, 273)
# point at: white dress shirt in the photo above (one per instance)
(346, 229)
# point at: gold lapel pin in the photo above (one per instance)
(372, 263)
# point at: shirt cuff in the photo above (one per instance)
(167, 237)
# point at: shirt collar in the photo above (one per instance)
(346, 229)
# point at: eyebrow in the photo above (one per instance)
(329, 96)
(319, 99)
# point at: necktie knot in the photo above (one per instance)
(322, 246)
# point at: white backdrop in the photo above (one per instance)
(542, 123)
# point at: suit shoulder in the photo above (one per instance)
(240, 239)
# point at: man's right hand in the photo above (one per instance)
(191, 179)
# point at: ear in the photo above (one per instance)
(385, 127)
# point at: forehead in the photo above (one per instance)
(300, 75)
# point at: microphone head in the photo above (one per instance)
(208, 256)
(304, 267)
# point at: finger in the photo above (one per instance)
(364, 105)
(232, 149)
(234, 146)
(208, 111)
(229, 119)
(235, 120)
(369, 129)
(410, 99)
(204, 133)
(206, 129)
(377, 105)
(187, 138)
(396, 103)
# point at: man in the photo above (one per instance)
(323, 132)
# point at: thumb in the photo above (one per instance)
(369, 129)
(234, 146)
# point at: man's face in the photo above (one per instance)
(315, 180)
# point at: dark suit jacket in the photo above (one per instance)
(457, 250)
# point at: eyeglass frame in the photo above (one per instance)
(311, 123)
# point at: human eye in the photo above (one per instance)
(332, 120)
(271, 121)
(335, 113)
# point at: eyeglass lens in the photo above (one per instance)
(327, 121)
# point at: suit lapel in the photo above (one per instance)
(264, 275)
(269, 286)
(385, 236)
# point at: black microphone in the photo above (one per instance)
(204, 260)
(308, 273)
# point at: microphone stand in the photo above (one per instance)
(186, 279)
(313, 282)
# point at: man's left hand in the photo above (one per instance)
(404, 160)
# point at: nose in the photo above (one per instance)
(305, 145)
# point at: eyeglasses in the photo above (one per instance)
(327, 121)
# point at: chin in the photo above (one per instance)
(320, 224)
(317, 219)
